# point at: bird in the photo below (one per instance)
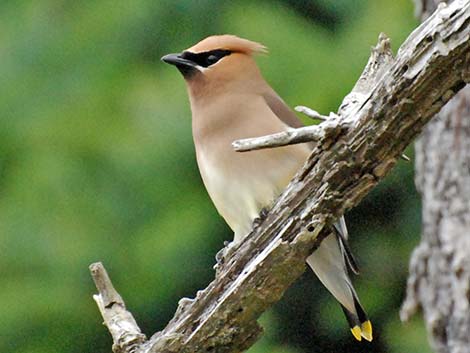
(230, 100)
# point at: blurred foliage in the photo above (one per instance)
(97, 163)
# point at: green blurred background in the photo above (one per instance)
(97, 163)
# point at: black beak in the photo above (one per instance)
(185, 66)
(177, 60)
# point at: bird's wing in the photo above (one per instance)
(342, 235)
(288, 117)
(282, 111)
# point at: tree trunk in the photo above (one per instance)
(439, 281)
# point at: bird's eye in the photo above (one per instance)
(214, 56)
(212, 59)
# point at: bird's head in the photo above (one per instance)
(217, 63)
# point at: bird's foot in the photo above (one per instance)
(222, 254)
(261, 217)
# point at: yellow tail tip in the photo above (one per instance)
(356, 331)
(366, 330)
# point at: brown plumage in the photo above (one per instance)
(230, 100)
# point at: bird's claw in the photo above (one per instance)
(222, 254)
(261, 217)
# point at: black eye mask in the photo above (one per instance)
(207, 58)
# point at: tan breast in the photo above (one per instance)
(240, 184)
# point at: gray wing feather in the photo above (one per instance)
(288, 117)
(342, 235)
(282, 111)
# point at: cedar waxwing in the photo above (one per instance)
(230, 100)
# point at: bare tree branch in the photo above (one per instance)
(310, 113)
(127, 336)
(387, 109)
(329, 129)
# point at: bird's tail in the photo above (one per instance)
(328, 263)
